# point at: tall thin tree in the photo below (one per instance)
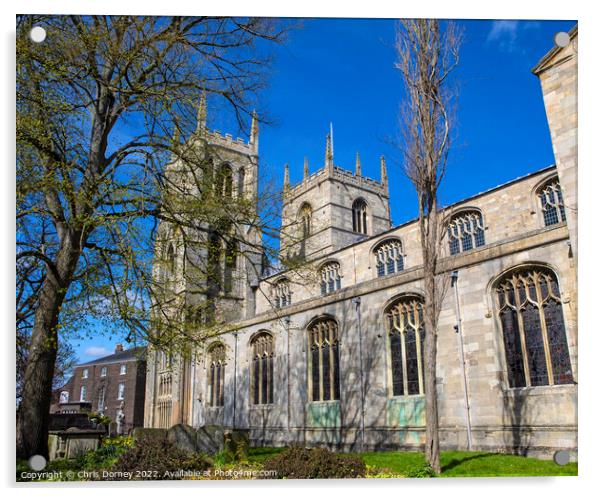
(427, 53)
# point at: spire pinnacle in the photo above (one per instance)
(201, 116)
(328, 158)
(254, 137)
(305, 168)
(287, 180)
(358, 164)
(383, 170)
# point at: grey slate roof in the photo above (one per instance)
(137, 353)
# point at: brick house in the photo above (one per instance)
(113, 385)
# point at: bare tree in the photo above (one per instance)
(427, 53)
(97, 104)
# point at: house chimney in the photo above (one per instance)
(118, 348)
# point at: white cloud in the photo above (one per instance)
(507, 33)
(96, 351)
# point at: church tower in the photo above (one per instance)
(332, 208)
(209, 263)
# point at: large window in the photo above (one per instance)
(404, 319)
(359, 211)
(305, 214)
(465, 231)
(224, 181)
(532, 322)
(551, 203)
(389, 257)
(83, 393)
(282, 293)
(121, 391)
(330, 277)
(216, 372)
(262, 369)
(230, 265)
(324, 360)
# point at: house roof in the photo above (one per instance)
(132, 354)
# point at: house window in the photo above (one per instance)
(359, 212)
(103, 372)
(121, 391)
(324, 360)
(64, 397)
(551, 202)
(389, 257)
(532, 322)
(85, 374)
(216, 372)
(83, 393)
(330, 277)
(101, 399)
(262, 369)
(123, 369)
(405, 328)
(465, 232)
(282, 293)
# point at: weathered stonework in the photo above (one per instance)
(528, 420)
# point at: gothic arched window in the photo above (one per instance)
(230, 265)
(305, 214)
(404, 319)
(330, 277)
(171, 259)
(389, 257)
(224, 181)
(323, 375)
(241, 182)
(215, 375)
(262, 369)
(282, 293)
(465, 231)
(359, 211)
(532, 321)
(551, 202)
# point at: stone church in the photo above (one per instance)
(333, 355)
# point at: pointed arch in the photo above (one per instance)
(404, 324)
(531, 319)
(359, 212)
(262, 368)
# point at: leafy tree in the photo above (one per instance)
(100, 108)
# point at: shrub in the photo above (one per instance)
(152, 458)
(422, 472)
(299, 462)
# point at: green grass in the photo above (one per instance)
(470, 464)
(453, 463)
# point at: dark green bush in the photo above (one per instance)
(299, 462)
(155, 458)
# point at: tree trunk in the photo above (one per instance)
(431, 316)
(33, 413)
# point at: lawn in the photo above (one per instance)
(453, 463)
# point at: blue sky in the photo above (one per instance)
(342, 71)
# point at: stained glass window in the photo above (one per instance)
(389, 257)
(532, 322)
(330, 277)
(324, 363)
(262, 370)
(359, 212)
(465, 231)
(552, 204)
(216, 372)
(405, 328)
